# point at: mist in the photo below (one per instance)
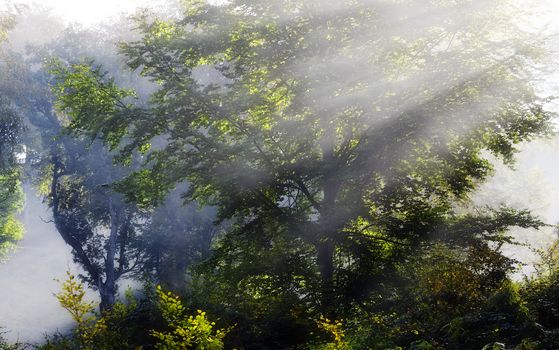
(27, 298)
(278, 165)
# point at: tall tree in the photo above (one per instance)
(92, 220)
(339, 138)
(101, 229)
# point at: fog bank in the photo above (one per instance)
(27, 302)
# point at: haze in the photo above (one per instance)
(212, 156)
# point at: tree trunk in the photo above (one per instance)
(107, 290)
(329, 227)
(108, 296)
(326, 267)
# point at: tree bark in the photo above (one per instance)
(329, 228)
(107, 289)
(325, 251)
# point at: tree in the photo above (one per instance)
(11, 194)
(92, 220)
(341, 137)
(73, 173)
(11, 202)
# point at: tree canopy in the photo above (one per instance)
(338, 144)
(344, 129)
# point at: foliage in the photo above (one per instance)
(121, 327)
(270, 301)
(6, 22)
(445, 298)
(4, 345)
(503, 317)
(11, 202)
(540, 294)
(11, 128)
(173, 239)
(335, 329)
(186, 332)
(336, 141)
(101, 103)
(339, 144)
(89, 326)
(131, 324)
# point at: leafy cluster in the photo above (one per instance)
(186, 332)
(88, 327)
(11, 202)
(121, 328)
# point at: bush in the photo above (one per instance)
(186, 331)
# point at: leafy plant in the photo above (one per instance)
(335, 331)
(186, 331)
(89, 325)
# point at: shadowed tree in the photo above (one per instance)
(92, 219)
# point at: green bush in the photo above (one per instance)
(185, 331)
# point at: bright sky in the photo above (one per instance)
(88, 12)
